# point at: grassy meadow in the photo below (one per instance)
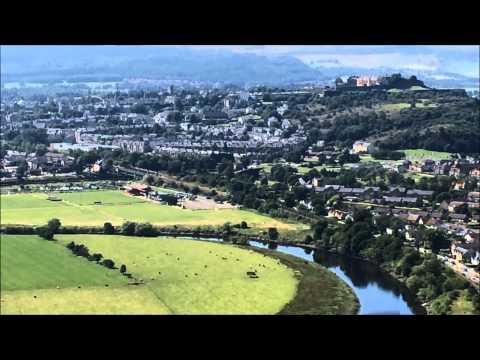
(79, 208)
(29, 262)
(180, 277)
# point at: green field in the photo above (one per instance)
(116, 207)
(421, 154)
(401, 106)
(180, 277)
(29, 262)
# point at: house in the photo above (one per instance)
(138, 189)
(428, 166)
(459, 185)
(97, 167)
(362, 147)
(473, 196)
(466, 253)
(415, 167)
(396, 191)
(454, 205)
(457, 217)
(475, 172)
(472, 237)
(338, 214)
(410, 235)
(442, 168)
(420, 193)
(415, 219)
(161, 118)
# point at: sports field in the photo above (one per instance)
(113, 206)
(422, 154)
(180, 277)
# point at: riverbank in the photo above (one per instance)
(319, 291)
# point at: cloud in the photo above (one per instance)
(446, 58)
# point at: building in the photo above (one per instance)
(362, 147)
(465, 253)
(367, 81)
(454, 205)
(475, 172)
(338, 214)
(161, 118)
(137, 189)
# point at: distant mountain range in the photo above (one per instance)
(114, 63)
(75, 63)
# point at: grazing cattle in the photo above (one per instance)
(251, 273)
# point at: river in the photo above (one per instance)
(377, 291)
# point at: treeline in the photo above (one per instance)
(452, 126)
(83, 251)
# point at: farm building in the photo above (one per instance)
(138, 189)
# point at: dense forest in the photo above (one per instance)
(449, 122)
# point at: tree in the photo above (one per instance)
(146, 229)
(436, 240)
(308, 239)
(108, 228)
(272, 233)
(53, 225)
(97, 257)
(123, 269)
(44, 232)
(243, 225)
(128, 228)
(318, 229)
(149, 179)
(21, 170)
(108, 263)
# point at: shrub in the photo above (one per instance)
(45, 233)
(108, 228)
(53, 225)
(108, 263)
(128, 228)
(272, 233)
(145, 230)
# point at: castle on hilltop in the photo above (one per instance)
(395, 81)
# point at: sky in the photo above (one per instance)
(458, 59)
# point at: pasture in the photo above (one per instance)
(79, 209)
(179, 277)
(29, 262)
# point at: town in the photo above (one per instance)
(300, 153)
